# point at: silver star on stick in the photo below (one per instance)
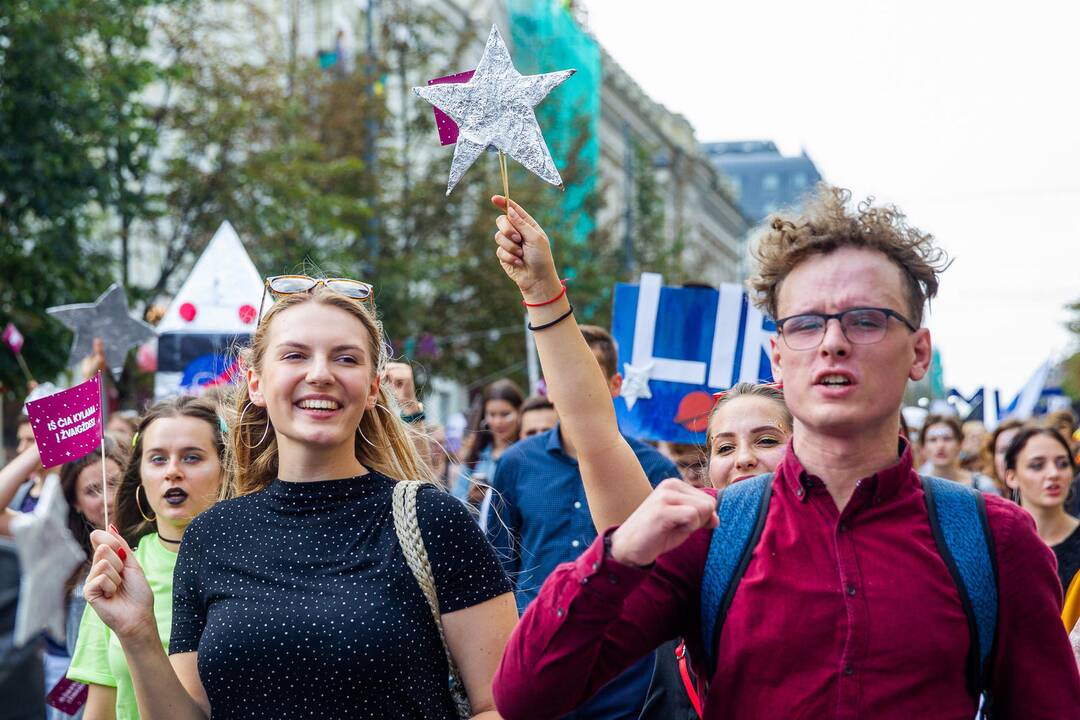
(495, 108)
(106, 318)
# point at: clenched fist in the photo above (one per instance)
(669, 515)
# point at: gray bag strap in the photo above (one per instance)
(407, 528)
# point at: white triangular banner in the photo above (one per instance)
(222, 292)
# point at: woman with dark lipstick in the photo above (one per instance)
(174, 473)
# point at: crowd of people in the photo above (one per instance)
(306, 543)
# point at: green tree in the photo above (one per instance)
(67, 112)
(341, 173)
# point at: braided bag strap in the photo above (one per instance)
(407, 528)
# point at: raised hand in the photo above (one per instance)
(117, 589)
(95, 362)
(525, 252)
(399, 377)
(669, 515)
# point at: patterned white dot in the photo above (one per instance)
(300, 603)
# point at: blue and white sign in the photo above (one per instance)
(677, 346)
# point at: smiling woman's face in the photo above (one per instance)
(317, 377)
(748, 438)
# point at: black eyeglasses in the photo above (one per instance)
(861, 326)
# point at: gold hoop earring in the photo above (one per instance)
(361, 433)
(138, 504)
(240, 424)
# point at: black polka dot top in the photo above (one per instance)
(300, 604)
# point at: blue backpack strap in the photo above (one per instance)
(962, 533)
(742, 508)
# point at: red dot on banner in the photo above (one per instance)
(187, 312)
(247, 314)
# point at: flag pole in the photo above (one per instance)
(101, 434)
(25, 369)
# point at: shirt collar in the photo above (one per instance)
(554, 442)
(883, 484)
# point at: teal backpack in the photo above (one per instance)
(961, 532)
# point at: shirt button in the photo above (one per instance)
(560, 612)
(851, 589)
(613, 580)
(843, 527)
(574, 543)
(585, 581)
(849, 670)
(577, 504)
(596, 566)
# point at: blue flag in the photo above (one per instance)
(678, 346)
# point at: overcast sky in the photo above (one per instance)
(963, 115)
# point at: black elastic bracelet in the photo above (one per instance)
(554, 322)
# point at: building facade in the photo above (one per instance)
(763, 180)
(699, 205)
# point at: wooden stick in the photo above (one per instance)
(25, 369)
(505, 179)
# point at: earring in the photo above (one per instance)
(240, 423)
(361, 433)
(138, 504)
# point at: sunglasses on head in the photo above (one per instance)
(282, 285)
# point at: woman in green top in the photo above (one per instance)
(174, 473)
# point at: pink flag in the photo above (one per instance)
(448, 129)
(67, 696)
(67, 424)
(13, 338)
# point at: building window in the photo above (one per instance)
(798, 180)
(770, 182)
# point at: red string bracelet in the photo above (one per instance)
(547, 302)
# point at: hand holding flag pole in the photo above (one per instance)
(67, 425)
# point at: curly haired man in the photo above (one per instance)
(846, 608)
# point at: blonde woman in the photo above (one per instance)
(293, 597)
(748, 433)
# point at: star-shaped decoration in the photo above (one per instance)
(495, 109)
(106, 318)
(42, 390)
(636, 384)
(48, 554)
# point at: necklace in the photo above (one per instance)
(165, 539)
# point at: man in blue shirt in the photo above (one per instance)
(539, 518)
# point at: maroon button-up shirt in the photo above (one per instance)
(840, 615)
